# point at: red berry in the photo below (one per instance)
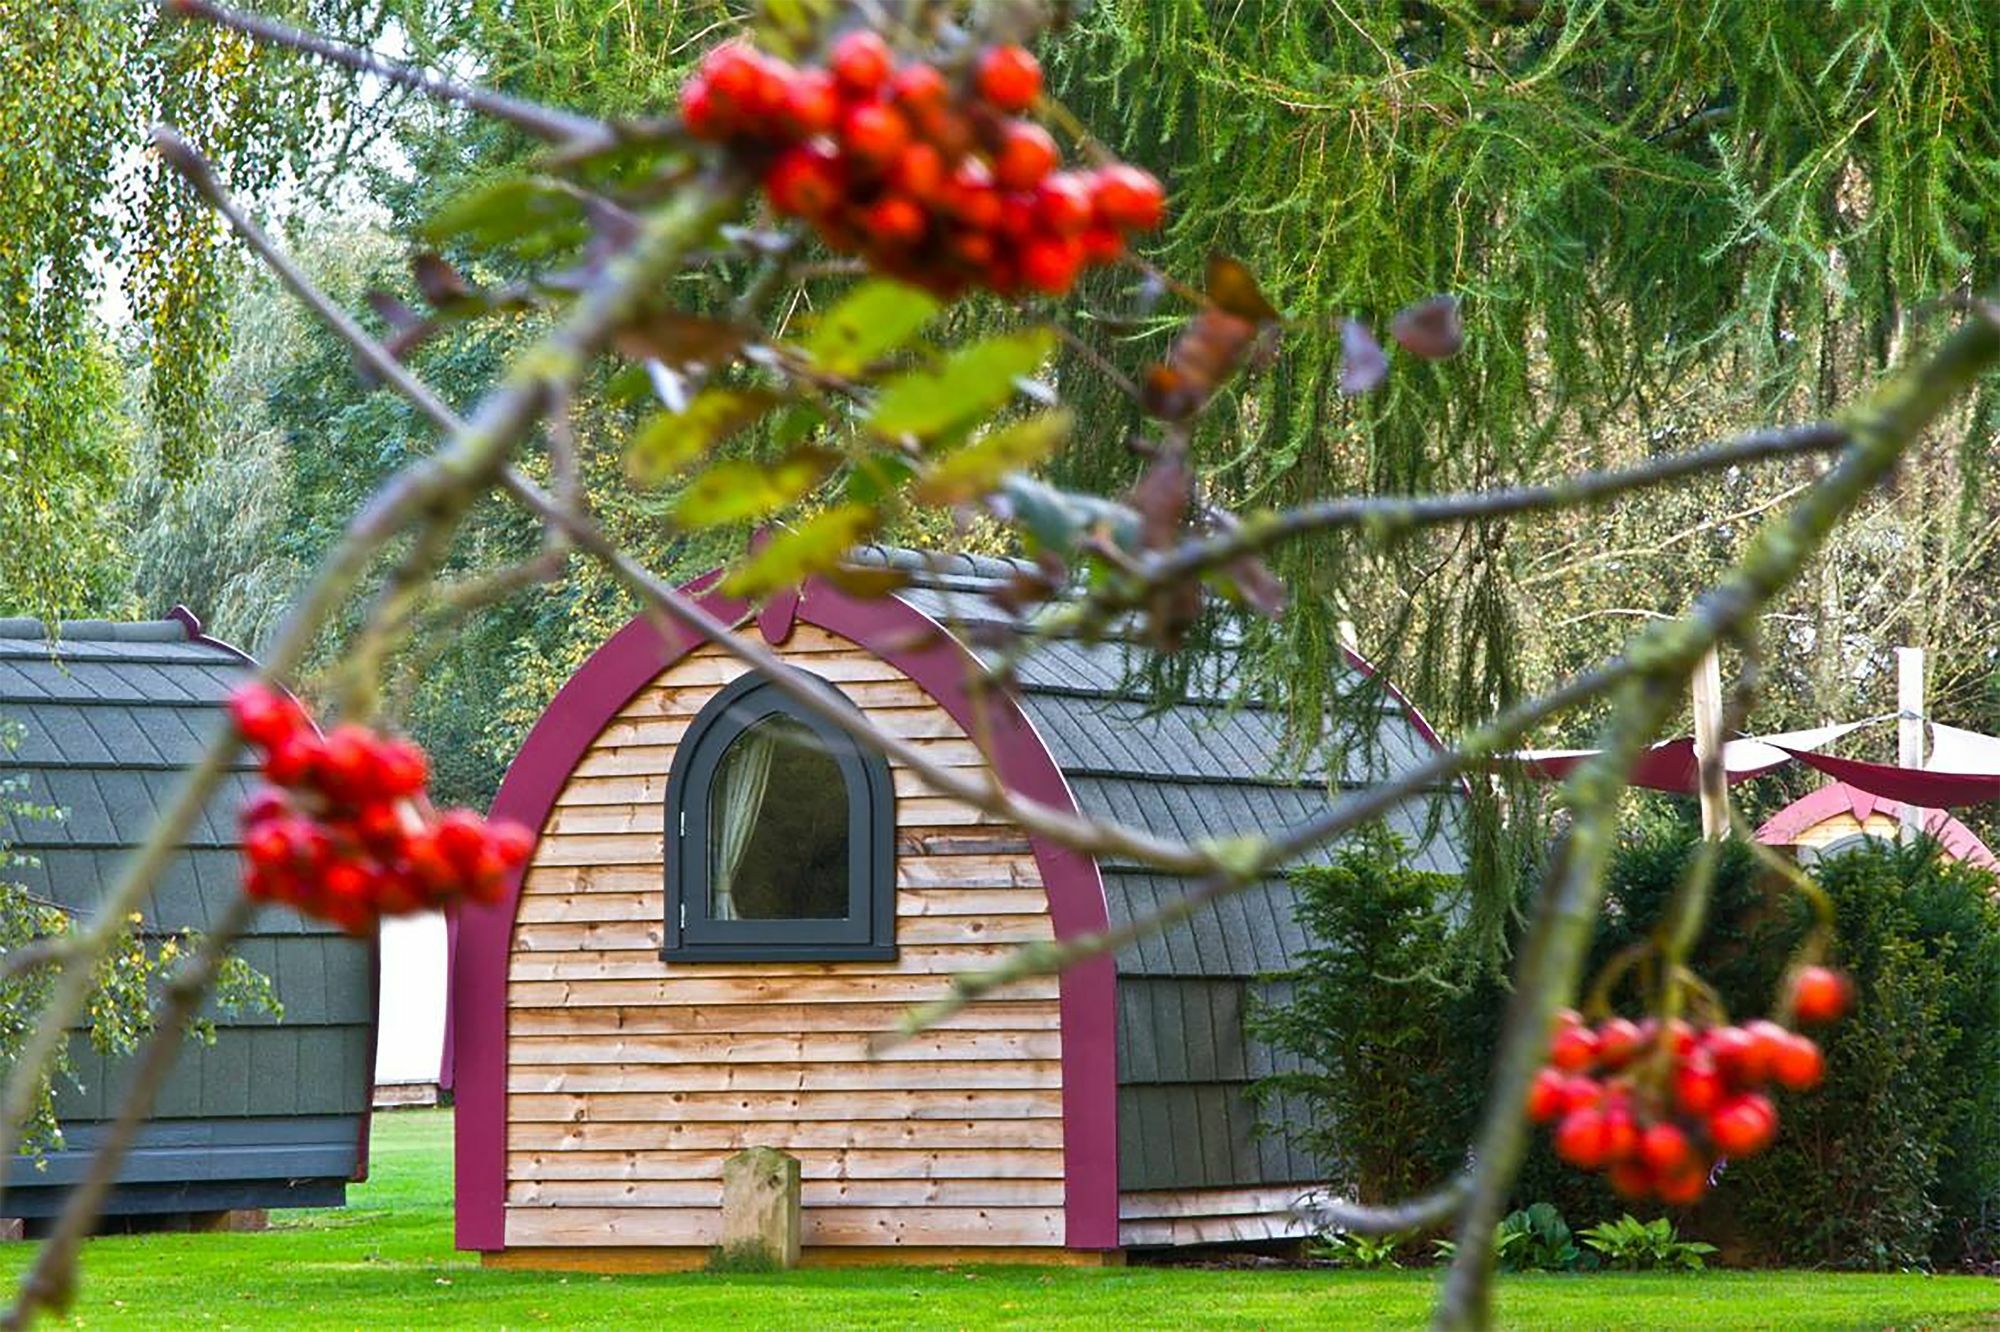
(1820, 995)
(894, 221)
(1631, 1181)
(917, 172)
(510, 843)
(1743, 1125)
(1101, 245)
(1798, 1065)
(1621, 1134)
(1581, 1139)
(401, 767)
(1574, 1049)
(347, 763)
(1545, 1096)
(1128, 198)
(292, 761)
(698, 110)
(812, 103)
(1665, 1148)
(1027, 154)
(918, 86)
(267, 717)
(968, 194)
(1062, 204)
(1697, 1083)
(873, 134)
(732, 74)
(1618, 1039)
(804, 182)
(1009, 77)
(1580, 1092)
(265, 805)
(461, 835)
(861, 62)
(1682, 1188)
(1738, 1055)
(1050, 264)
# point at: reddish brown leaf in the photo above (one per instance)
(439, 282)
(1432, 329)
(1233, 287)
(678, 339)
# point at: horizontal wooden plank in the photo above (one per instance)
(626, 760)
(818, 1225)
(642, 788)
(603, 849)
(812, 1193)
(943, 959)
(786, 1107)
(583, 907)
(984, 1015)
(630, 1259)
(1148, 1204)
(807, 1046)
(585, 1075)
(814, 1163)
(1008, 871)
(1175, 1231)
(577, 908)
(573, 879)
(802, 1135)
(692, 988)
(926, 813)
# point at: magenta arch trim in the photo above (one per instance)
(1835, 798)
(925, 651)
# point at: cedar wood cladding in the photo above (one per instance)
(630, 1078)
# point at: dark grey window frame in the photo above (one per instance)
(868, 932)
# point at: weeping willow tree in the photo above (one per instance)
(103, 253)
(1711, 209)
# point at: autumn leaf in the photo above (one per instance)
(793, 555)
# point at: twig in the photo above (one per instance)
(576, 133)
(1419, 1213)
(1382, 516)
(1553, 950)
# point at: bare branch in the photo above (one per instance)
(1380, 516)
(1419, 1213)
(576, 133)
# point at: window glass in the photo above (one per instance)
(778, 827)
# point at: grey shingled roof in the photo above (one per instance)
(108, 717)
(1203, 767)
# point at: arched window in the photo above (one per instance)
(780, 835)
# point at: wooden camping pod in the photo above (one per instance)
(603, 1075)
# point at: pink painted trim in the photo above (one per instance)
(939, 664)
(775, 620)
(1836, 798)
(1411, 712)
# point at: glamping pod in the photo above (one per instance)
(274, 1113)
(1837, 817)
(728, 905)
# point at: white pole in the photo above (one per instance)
(1910, 726)
(1708, 739)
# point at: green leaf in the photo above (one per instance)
(967, 473)
(737, 490)
(791, 557)
(972, 383)
(531, 215)
(875, 318)
(670, 441)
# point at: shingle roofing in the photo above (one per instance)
(107, 717)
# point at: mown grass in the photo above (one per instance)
(386, 1261)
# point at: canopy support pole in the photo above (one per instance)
(1714, 782)
(1910, 727)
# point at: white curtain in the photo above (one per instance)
(738, 798)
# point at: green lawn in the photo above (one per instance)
(386, 1260)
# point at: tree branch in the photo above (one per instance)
(576, 133)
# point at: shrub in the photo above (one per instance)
(1631, 1245)
(1392, 1046)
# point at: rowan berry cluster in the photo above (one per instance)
(345, 831)
(932, 179)
(1655, 1105)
